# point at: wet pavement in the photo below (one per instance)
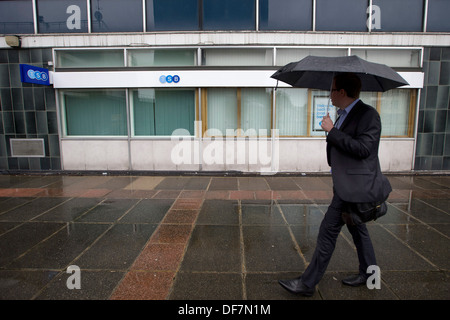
(209, 237)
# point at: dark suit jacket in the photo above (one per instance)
(352, 153)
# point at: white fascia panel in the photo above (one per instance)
(415, 79)
(142, 79)
(191, 78)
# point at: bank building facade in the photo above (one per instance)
(185, 86)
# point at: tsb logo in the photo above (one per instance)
(169, 79)
(38, 75)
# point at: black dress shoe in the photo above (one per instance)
(355, 280)
(296, 286)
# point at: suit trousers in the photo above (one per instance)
(326, 241)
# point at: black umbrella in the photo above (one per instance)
(318, 72)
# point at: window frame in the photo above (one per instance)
(239, 132)
(63, 110)
(413, 94)
(130, 106)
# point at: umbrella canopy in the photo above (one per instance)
(318, 72)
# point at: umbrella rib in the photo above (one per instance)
(381, 86)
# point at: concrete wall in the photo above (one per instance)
(243, 155)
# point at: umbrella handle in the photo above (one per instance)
(329, 99)
(331, 91)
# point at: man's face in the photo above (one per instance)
(337, 96)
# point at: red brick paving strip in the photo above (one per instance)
(151, 275)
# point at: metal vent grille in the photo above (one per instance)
(27, 147)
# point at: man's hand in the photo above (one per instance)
(327, 123)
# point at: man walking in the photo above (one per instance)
(352, 153)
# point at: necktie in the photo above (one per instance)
(341, 113)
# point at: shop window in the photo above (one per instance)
(395, 15)
(292, 111)
(16, 17)
(287, 55)
(396, 108)
(159, 112)
(371, 98)
(235, 112)
(222, 112)
(298, 112)
(89, 58)
(237, 57)
(62, 16)
(437, 20)
(256, 106)
(399, 58)
(342, 15)
(116, 16)
(285, 15)
(171, 15)
(94, 112)
(162, 57)
(238, 111)
(228, 15)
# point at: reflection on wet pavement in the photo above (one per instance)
(210, 237)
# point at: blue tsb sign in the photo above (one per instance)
(169, 79)
(32, 74)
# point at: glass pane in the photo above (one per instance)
(292, 112)
(163, 15)
(16, 17)
(342, 15)
(161, 112)
(89, 58)
(370, 98)
(116, 16)
(143, 103)
(285, 14)
(162, 57)
(256, 111)
(229, 15)
(62, 16)
(394, 112)
(174, 109)
(95, 113)
(237, 57)
(222, 111)
(392, 58)
(284, 56)
(437, 19)
(393, 15)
